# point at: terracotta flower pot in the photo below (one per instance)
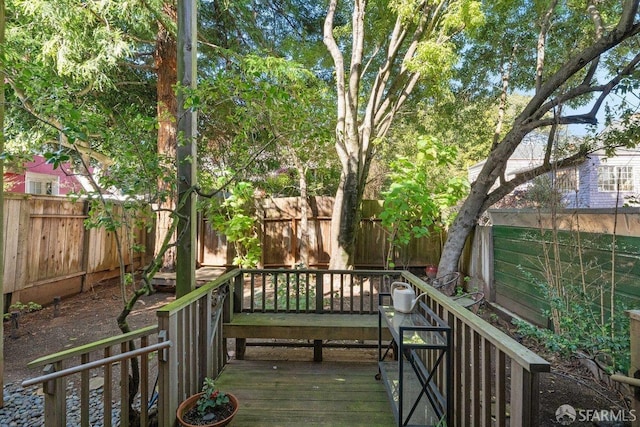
(191, 401)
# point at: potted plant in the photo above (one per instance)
(211, 407)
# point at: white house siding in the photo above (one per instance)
(530, 155)
(580, 198)
(590, 197)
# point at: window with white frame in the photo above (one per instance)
(615, 178)
(567, 180)
(37, 183)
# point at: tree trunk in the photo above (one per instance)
(548, 97)
(345, 218)
(352, 143)
(457, 235)
(304, 213)
(166, 69)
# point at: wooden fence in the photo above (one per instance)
(597, 250)
(280, 233)
(49, 252)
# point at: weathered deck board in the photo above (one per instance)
(287, 393)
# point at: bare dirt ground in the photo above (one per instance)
(91, 316)
(82, 319)
(570, 383)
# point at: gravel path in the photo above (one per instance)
(24, 407)
(82, 319)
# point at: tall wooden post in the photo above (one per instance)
(2, 23)
(186, 152)
(634, 366)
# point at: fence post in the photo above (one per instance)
(634, 365)
(87, 250)
(19, 281)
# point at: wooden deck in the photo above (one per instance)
(293, 393)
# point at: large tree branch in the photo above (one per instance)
(386, 101)
(481, 196)
(599, 31)
(545, 25)
(353, 94)
(625, 29)
(526, 176)
(502, 106)
(338, 62)
(383, 75)
(57, 125)
(589, 117)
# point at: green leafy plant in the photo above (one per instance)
(233, 217)
(211, 398)
(577, 330)
(29, 307)
(295, 296)
(421, 195)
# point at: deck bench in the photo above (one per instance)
(302, 326)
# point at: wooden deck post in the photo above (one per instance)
(236, 307)
(186, 152)
(55, 402)
(319, 292)
(524, 396)
(634, 365)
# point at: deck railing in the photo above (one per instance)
(311, 291)
(113, 356)
(193, 324)
(496, 379)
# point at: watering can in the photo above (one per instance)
(404, 298)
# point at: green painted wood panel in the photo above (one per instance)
(522, 255)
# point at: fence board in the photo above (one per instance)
(40, 236)
(212, 246)
(277, 242)
(13, 249)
